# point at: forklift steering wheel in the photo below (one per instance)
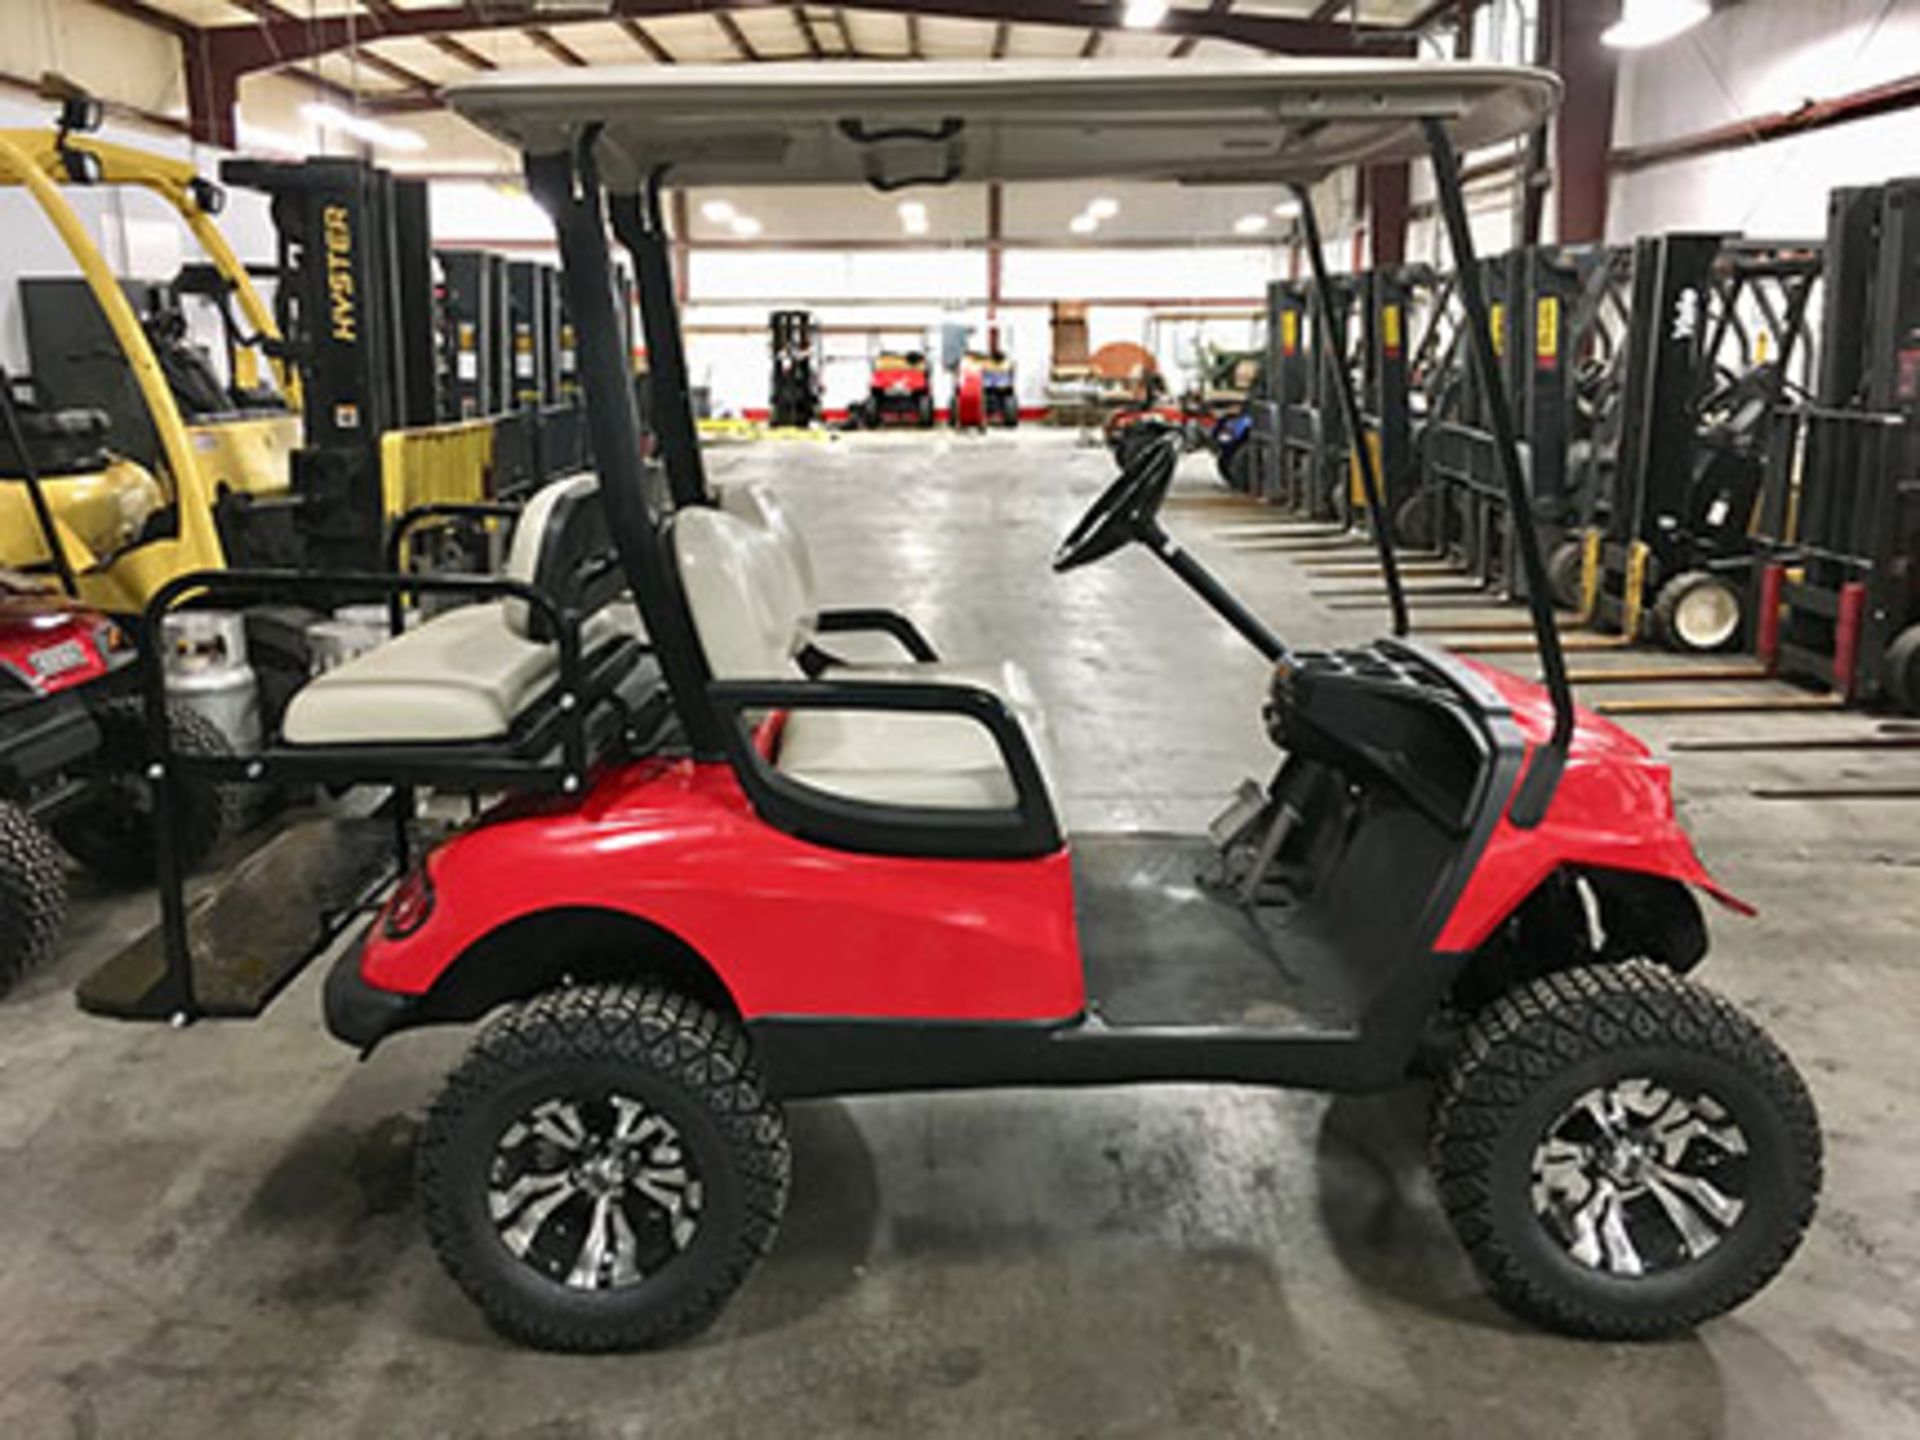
(1125, 510)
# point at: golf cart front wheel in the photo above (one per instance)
(1623, 1154)
(1697, 612)
(604, 1170)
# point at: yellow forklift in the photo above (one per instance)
(126, 526)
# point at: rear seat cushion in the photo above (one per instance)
(464, 675)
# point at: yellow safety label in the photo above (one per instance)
(1546, 330)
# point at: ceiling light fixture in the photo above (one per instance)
(1143, 14)
(372, 132)
(1652, 22)
(1083, 224)
(718, 211)
(1249, 224)
(745, 226)
(1105, 208)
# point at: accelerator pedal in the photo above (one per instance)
(258, 926)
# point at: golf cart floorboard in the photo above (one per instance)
(255, 928)
(1163, 948)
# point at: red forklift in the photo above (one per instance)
(806, 876)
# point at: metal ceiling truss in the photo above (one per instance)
(280, 39)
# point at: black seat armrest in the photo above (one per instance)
(1029, 828)
(858, 620)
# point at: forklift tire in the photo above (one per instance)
(33, 895)
(1697, 613)
(604, 1170)
(1566, 572)
(111, 831)
(1623, 1153)
(1413, 522)
(926, 412)
(1903, 670)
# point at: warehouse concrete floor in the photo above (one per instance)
(213, 1231)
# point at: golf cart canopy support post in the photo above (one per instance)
(640, 222)
(1543, 774)
(567, 185)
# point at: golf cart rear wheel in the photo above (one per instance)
(1903, 670)
(111, 831)
(1624, 1154)
(1697, 613)
(33, 895)
(604, 1170)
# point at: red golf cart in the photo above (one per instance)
(731, 868)
(899, 392)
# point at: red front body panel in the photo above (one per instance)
(790, 928)
(1613, 810)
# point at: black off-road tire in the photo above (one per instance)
(682, 1060)
(111, 832)
(1673, 627)
(1566, 574)
(1529, 1055)
(1903, 670)
(33, 895)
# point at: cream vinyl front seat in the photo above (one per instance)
(753, 612)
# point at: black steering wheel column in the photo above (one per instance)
(1128, 511)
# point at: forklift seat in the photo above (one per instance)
(468, 674)
(59, 442)
(746, 603)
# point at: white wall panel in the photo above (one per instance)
(1189, 273)
(804, 276)
(1752, 59)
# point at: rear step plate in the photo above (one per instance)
(258, 926)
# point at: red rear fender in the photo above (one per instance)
(788, 928)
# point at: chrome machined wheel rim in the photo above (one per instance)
(594, 1193)
(1638, 1178)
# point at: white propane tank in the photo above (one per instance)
(207, 672)
(352, 630)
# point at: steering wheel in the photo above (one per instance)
(1125, 509)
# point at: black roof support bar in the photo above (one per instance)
(568, 188)
(641, 226)
(1543, 774)
(1356, 423)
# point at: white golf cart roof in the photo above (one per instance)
(897, 124)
